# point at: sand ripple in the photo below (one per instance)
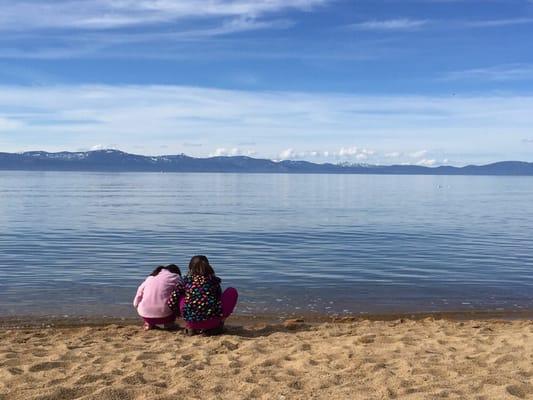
(425, 359)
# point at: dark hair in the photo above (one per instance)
(173, 268)
(199, 265)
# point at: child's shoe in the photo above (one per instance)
(192, 332)
(214, 332)
(147, 326)
(170, 327)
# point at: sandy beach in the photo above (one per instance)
(403, 359)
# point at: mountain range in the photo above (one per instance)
(118, 161)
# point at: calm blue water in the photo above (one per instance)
(80, 243)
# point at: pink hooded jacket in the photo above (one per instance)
(153, 294)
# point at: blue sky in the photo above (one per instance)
(374, 81)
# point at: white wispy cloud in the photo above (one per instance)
(289, 154)
(235, 151)
(418, 154)
(426, 162)
(357, 155)
(8, 124)
(393, 154)
(497, 23)
(361, 154)
(507, 72)
(65, 29)
(321, 124)
(344, 153)
(24, 15)
(409, 24)
(419, 157)
(399, 24)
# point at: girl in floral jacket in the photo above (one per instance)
(199, 298)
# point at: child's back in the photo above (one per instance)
(153, 294)
(200, 300)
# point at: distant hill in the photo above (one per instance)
(118, 161)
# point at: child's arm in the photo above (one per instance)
(139, 295)
(174, 301)
(218, 288)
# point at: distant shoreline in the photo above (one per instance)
(118, 161)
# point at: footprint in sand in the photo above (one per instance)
(379, 366)
(194, 367)
(134, 379)
(10, 363)
(304, 347)
(526, 374)
(111, 394)
(495, 380)
(505, 359)
(15, 371)
(46, 366)
(367, 339)
(520, 391)
(229, 345)
(87, 379)
(39, 353)
(64, 393)
(409, 340)
(295, 384)
(268, 363)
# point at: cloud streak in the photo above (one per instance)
(508, 72)
(400, 24)
(27, 15)
(410, 24)
(498, 23)
(235, 151)
(150, 117)
(171, 29)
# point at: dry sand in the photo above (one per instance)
(428, 359)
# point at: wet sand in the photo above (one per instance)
(422, 358)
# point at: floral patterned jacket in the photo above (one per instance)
(202, 295)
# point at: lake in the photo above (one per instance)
(80, 243)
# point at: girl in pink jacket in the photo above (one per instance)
(153, 294)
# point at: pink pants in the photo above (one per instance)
(229, 301)
(160, 321)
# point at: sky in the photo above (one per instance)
(427, 82)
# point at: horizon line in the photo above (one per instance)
(340, 163)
